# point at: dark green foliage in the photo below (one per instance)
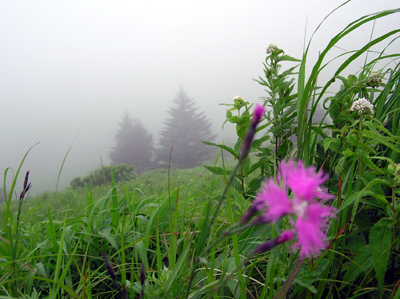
(183, 131)
(134, 145)
(122, 173)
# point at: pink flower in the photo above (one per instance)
(276, 200)
(309, 217)
(310, 230)
(303, 182)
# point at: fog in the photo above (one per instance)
(78, 66)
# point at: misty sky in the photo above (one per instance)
(67, 66)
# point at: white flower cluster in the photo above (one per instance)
(272, 48)
(363, 106)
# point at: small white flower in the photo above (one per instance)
(237, 98)
(272, 48)
(363, 106)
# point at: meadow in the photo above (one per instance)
(296, 208)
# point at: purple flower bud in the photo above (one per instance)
(258, 113)
(285, 236)
(248, 214)
(26, 186)
(266, 246)
(26, 179)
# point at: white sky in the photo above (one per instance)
(67, 65)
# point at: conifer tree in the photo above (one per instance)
(184, 130)
(134, 145)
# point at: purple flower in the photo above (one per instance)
(257, 115)
(26, 186)
(309, 217)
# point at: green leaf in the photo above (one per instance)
(109, 238)
(257, 165)
(380, 241)
(352, 138)
(233, 119)
(245, 165)
(307, 283)
(355, 197)
(174, 274)
(228, 149)
(356, 242)
(367, 161)
(243, 125)
(381, 139)
(332, 143)
(288, 58)
(348, 153)
(139, 246)
(362, 220)
(258, 142)
(352, 79)
(217, 170)
(360, 264)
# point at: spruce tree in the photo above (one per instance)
(134, 145)
(184, 130)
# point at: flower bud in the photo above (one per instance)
(272, 48)
(285, 236)
(248, 214)
(258, 113)
(375, 79)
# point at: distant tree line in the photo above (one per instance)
(122, 173)
(180, 139)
